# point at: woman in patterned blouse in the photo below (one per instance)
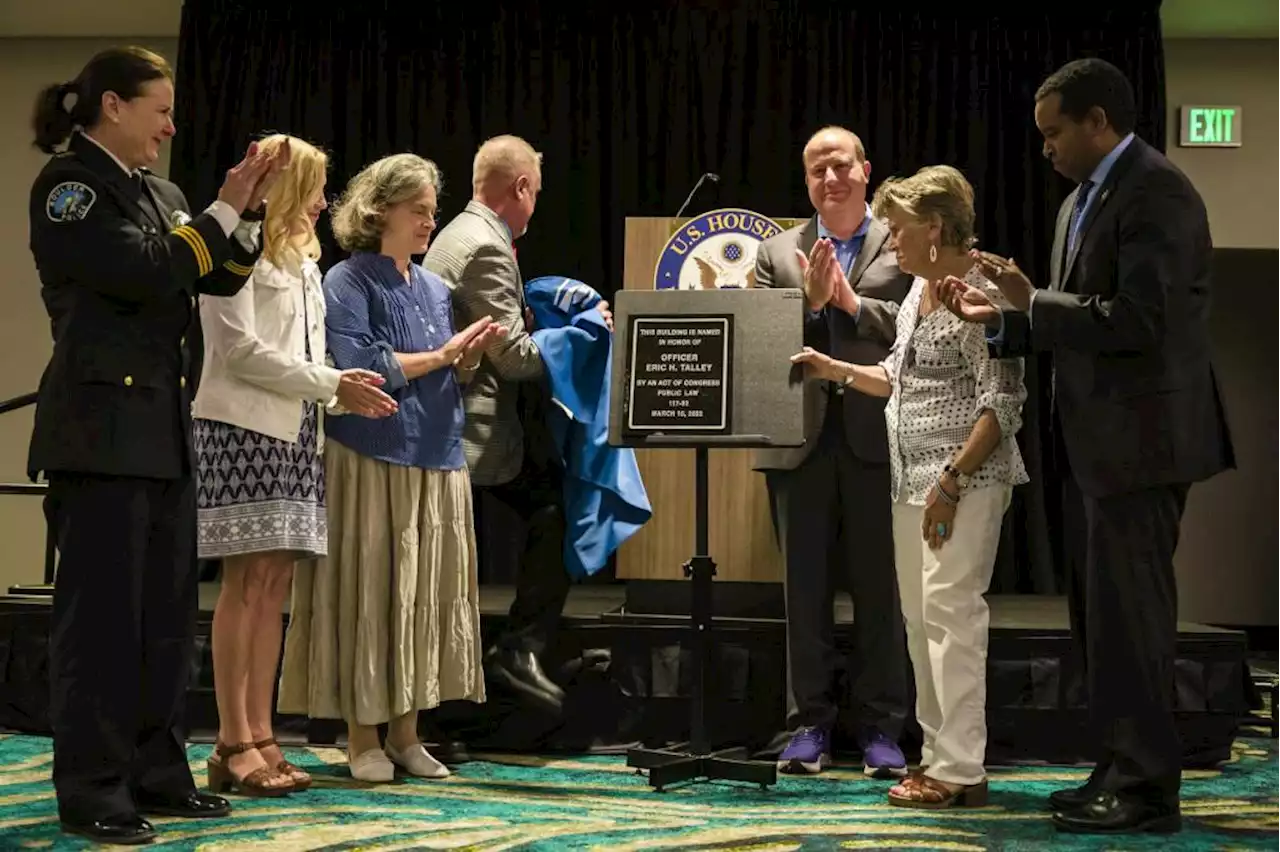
(952, 417)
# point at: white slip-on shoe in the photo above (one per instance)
(372, 766)
(416, 760)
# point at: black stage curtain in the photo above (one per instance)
(631, 102)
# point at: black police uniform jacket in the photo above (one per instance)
(121, 266)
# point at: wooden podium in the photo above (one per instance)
(742, 539)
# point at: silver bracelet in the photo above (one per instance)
(943, 495)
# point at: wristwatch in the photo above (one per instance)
(961, 479)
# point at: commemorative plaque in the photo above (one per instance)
(679, 373)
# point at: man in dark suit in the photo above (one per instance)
(1137, 419)
(830, 497)
(122, 262)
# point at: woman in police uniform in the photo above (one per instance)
(121, 262)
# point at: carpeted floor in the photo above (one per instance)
(520, 802)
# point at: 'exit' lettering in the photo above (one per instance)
(1214, 126)
(1211, 126)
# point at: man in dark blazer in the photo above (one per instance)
(1137, 419)
(830, 497)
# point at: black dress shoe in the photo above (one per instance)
(520, 672)
(123, 830)
(1075, 797)
(449, 752)
(1107, 813)
(191, 805)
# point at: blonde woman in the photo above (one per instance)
(952, 417)
(389, 623)
(261, 483)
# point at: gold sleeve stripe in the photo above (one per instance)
(238, 268)
(195, 250)
(204, 261)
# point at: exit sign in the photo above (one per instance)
(1210, 126)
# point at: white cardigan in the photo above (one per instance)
(256, 371)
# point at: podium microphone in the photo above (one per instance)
(709, 176)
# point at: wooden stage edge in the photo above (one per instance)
(609, 604)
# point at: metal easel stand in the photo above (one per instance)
(695, 760)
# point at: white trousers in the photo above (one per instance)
(947, 618)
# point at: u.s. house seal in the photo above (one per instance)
(717, 250)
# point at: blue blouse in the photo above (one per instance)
(372, 312)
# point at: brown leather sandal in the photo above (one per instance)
(931, 794)
(300, 777)
(222, 779)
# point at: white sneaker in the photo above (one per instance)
(372, 766)
(416, 760)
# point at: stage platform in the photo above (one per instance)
(619, 655)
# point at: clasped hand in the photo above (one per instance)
(824, 279)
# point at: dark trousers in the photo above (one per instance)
(832, 514)
(122, 638)
(542, 584)
(1124, 618)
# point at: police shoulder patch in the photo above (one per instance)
(69, 201)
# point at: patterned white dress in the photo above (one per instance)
(257, 493)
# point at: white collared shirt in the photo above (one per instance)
(246, 232)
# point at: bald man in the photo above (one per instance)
(507, 447)
(830, 497)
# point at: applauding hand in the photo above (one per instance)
(474, 349)
(842, 294)
(819, 283)
(239, 187)
(457, 345)
(276, 167)
(359, 393)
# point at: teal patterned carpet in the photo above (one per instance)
(505, 802)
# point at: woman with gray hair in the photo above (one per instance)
(389, 623)
(952, 417)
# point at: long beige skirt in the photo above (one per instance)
(389, 621)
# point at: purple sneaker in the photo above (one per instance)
(881, 757)
(808, 752)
